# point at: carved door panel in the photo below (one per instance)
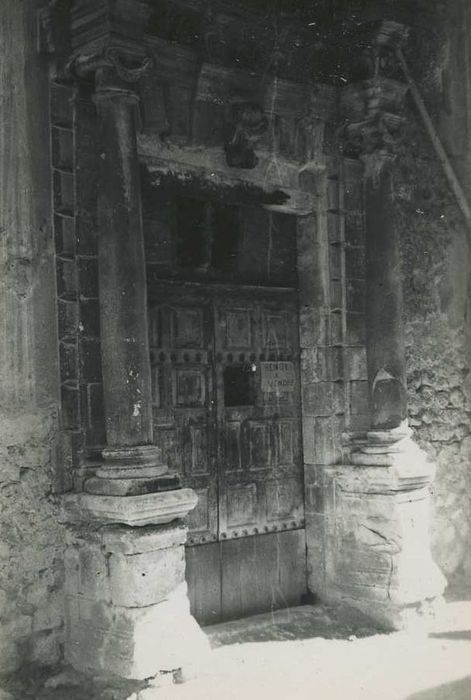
(227, 415)
(181, 341)
(259, 461)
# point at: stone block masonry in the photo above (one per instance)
(31, 570)
(31, 546)
(123, 585)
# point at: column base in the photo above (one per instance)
(131, 471)
(136, 486)
(127, 610)
(128, 613)
(378, 555)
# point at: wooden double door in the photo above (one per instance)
(226, 396)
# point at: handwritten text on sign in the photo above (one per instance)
(277, 376)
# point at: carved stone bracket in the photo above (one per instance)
(373, 121)
(244, 129)
(114, 69)
(371, 110)
(369, 50)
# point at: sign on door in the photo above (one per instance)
(277, 376)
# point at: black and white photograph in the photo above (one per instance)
(235, 349)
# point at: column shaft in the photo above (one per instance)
(385, 337)
(122, 278)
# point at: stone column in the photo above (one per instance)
(378, 508)
(123, 301)
(127, 606)
(132, 463)
(385, 333)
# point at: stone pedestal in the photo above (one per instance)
(127, 606)
(378, 519)
(378, 511)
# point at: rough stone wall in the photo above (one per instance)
(436, 269)
(30, 539)
(31, 602)
(436, 262)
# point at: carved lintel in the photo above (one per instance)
(243, 131)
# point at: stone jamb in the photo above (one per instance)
(321, 279)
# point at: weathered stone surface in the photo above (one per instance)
(125, 642)
(51, 614)
(10, 658)
(125, 590)
(145, 579)
(125, 567)
(46, 648)
(5, 695)
(377, 529)
(435, 266)
(31, 550)
(128, 541)
(154, 508)
(133, 485)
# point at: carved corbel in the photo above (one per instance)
(372, 110)
(374, 133)
(125, 68)
(243, 130)
(104, 41)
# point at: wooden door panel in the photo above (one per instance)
(237, 328)
(235, 439)
(181, 340)
(285, 502)
(262, 573)
(259, 459)
(203, 576)
(241, 507)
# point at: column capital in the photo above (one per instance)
(126, 65)
(373, 122)
(372, 103)
(100, 39)
(84, 36)
(115, 70)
